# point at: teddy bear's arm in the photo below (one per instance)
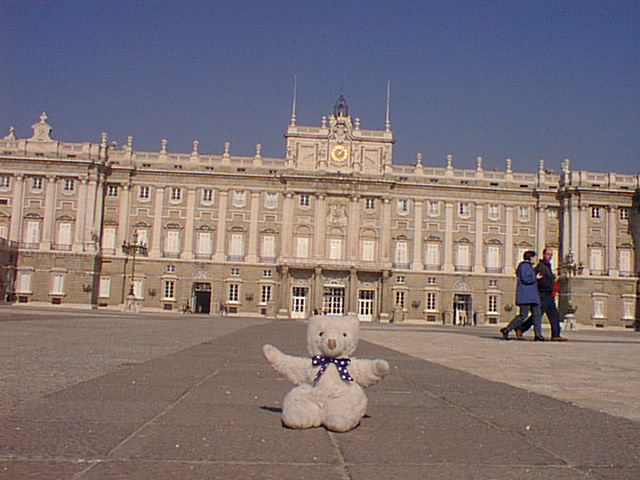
(297, 370)
(368, 372)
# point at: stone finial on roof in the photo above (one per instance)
(12, 134)
(42, 130)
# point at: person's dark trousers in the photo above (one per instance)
(549, 308)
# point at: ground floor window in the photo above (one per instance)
(333, 301)
(432, 304)
(265, 293)
(234, 292)
(169, 289)
(400, 298)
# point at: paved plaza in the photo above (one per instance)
(98, 395)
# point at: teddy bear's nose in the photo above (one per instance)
(331, 344)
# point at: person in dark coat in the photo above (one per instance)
(547, 298)
(527, 297)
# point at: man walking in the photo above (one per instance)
(527, 297)
(545, 288)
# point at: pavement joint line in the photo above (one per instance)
(344, 470)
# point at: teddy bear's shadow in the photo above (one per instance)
(267, 408)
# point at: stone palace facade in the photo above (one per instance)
(334, 226)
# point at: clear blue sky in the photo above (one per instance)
(520, 79)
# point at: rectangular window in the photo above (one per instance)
(628, 310)
(109, 238)
(267, 274)
(104, 289)
(302, 247)
(464, 210)
(204, 243)
(169, 289)
(368, 250)
(5, 181)
(403, 205)
(64, 233)
(624, 214)
(432, 255)
(431, 305)
(523, 213)
(369, 203)
(463, 256)
(112, 190)
(33, 232)
(304, 200)
(400, 298)
(265, 294)
(492, 304)
(400, 279)
(401, 253)
(335, 248)
(233, 293)
(268, 246)
(3, 231)
(493, 212)
(598, 307)
(143, 237)
(237, 245)
(143, 192)
(57, 283)
(235, 272)
(596, 263)
(36, 183)
(493, 257)
(176, 193)
(173, 241)
(626, 264)
(24, 282)
(595, 212)
(207, 195)
(69, 185)
(433, 208)
(432, 281)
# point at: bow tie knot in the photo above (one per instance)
(323, 362)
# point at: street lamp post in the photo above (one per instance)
(132, 249)
(570, 268)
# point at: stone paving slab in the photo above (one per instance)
(212, 410)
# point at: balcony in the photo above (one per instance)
(171, 254)
(433, 268)
(64, 247)
(401, 266)
(30, 245)
(463, 268)
(493, 269)
(202, 256)
(235, 258)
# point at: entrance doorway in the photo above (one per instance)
(299, 302)
(462, 309)
(201, 294)
(365, 305)
(333, 301)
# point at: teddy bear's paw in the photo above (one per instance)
(341, 423)
(382, 368)
(270, 352)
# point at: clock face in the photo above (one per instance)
(339, 153)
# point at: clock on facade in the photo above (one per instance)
(339, 153)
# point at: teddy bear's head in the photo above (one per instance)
(333, 336)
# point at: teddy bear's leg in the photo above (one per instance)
(344, 413)
(299, 410)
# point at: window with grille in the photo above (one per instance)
(464, 209)
(304, 200)
(36, 183)
(265, 293)
(233, 292)
(207, 195)
(5, 181)
(69, 185)
(176, 193)
(595, 212)
(492, 304)
(431, 304)
(143, 192)
(112, 190)
(169, 289)
(369, 203)
(400, 298)
(624, 214)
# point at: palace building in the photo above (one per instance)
(333, 226)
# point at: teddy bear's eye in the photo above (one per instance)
(321, 333)
(344, 334)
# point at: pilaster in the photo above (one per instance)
(416, 263)
(223, 196)
(252, 254)
(15, 228)
(156, 239)
(187, 252)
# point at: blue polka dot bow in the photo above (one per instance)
(340, 363)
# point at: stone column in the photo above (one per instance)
(98, 214)
(252, 254)
(508, 240)
(352, 300)
(223, 196)
(156, 239)
(566, 229)
(579, 236)
(353, 228)
(316, 301)
(612, 236)
(123, 215)
(320, 222)
(448, 237)
(49, 213)
(417, 264)
(286, 231)
(478, 266)
(541, 228)
(385, 233)
(385, 305)
(285, 294)
(187, 251)
(81, 215)
(93, 191)
(15, 228)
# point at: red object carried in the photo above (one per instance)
(556, 288)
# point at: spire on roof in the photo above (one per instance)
(341, 109)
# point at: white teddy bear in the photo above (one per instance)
(329, 385)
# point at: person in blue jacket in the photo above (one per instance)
(527, 297)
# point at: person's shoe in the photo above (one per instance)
(559, 339)
(538, 339)
(505, 333)
(518, 333)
